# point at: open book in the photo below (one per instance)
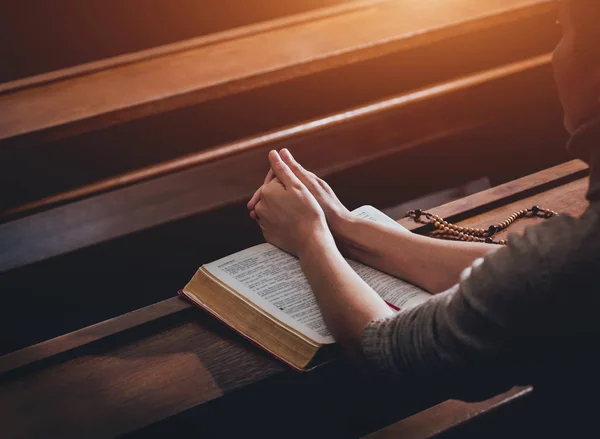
(262, 293)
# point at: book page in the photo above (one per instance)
(274, 281)
(370, 213)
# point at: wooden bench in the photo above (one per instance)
(91, 122)
(170, 368)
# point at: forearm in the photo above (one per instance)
(348, 304)
(433, 264)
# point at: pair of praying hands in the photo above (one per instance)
(294, 207)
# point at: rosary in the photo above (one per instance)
(446, 230)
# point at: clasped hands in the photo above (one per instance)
(294, 207)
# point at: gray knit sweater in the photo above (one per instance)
(528, 313)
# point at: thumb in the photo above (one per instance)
(282, 171)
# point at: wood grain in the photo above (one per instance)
(90, 334)
(567, 199)
(513, 195)
(130, 91)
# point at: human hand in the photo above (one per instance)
(335, 212)
(289, 216)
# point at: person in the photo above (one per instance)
(525, 313)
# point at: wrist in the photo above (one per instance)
(317, 239)
(341, 223)
(348, 231)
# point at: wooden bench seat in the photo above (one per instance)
(86, 124)
(173, 361)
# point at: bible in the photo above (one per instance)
(262, 294)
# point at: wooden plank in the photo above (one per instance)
(107, 393)
(506, 193)
(181, 46)
(126, 92)
(445, 416)
(568, 198)
(509, 196)
(399, 108)
(84, 336)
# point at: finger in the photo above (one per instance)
(253, 215)
(270, 176)
(283, 173)
(259, 208)
(303, 175)
(255, 198)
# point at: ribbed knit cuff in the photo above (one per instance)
(376, 346)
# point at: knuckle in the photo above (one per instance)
(324, 185)
(280, 166)
(266, 190)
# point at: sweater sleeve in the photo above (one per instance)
(478, 333)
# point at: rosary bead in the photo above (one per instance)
(445, 230)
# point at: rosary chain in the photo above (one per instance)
(446, 230)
